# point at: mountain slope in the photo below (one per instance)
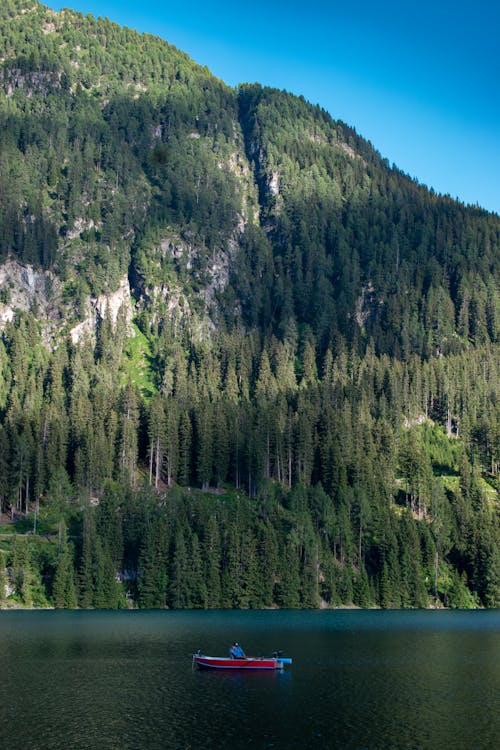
(116, 145)
(228, 290)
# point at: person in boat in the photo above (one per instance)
(236, 652)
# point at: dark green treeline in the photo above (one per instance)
(355, 480)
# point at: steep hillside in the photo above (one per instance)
(358, 248)
(121, 156)
(113, 143)
(228, 290)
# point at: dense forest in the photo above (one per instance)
(244, 361)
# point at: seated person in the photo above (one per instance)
(236, 652)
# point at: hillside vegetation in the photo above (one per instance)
(244, 361)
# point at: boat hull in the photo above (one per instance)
(219, 662)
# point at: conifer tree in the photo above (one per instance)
(22, 574)
(179, 583)
(185, 437)
(212, 556)
(128, 424)
(63, 590)
(86, 576)
(3, 579)
(152, 580)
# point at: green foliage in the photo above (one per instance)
(63, 590)
(3, 579)
(316, 344)
(137, 363)
(235, 414)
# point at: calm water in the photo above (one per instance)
(360, 681)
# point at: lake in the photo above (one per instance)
(360, 680)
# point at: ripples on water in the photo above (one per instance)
(360, 681)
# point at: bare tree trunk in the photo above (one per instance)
(157, 460)
(436, 568)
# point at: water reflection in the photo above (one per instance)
(359, 680)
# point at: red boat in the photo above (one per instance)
(249, 662)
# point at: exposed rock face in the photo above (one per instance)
(348, 150)
(23, 287)
(218, 271)
(114, 304)
(79, 226)
(84, 329)
(32, 82)
(366, 304)
(274, 183)
(179, 250)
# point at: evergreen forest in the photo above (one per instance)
(245, 362)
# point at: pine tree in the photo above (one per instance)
(85, 576)
(185, 437)
(128, 427)
(212, 555)
(22, 574)
(3, 580)
(204, 419)
(179, 583)
(106, 586)
(361, 588)
(288, 588)
(198, 587)
(63, 590)
(157, 439)
(152, 580)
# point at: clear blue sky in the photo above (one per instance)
(418, 78)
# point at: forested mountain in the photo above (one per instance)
(244, 361)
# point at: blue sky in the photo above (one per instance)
(419, 79)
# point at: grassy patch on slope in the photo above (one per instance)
(137, 364)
